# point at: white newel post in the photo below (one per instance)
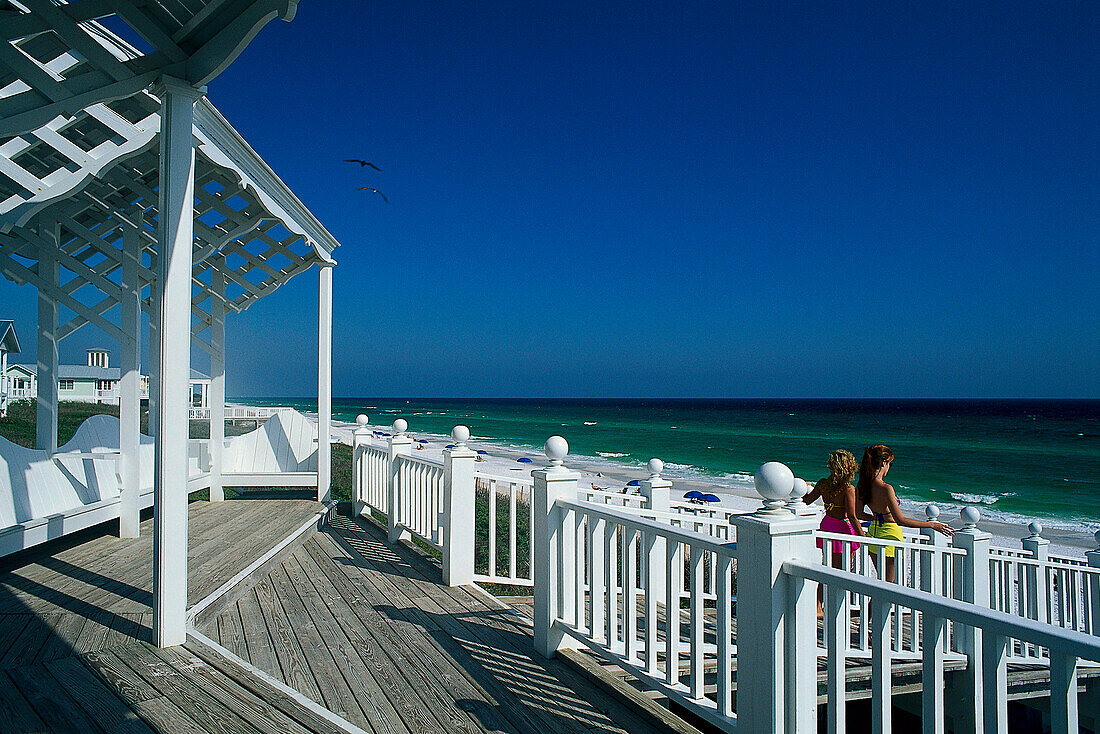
(780, 694)
(175, 240)
(1093, 557)
(971, 585)
(458, 510)
(657, 492)
(324, 383)
(931, 563)
(48, 272)
(400, 445)
(216, 399)
(554, 538)
(360, 437)
(1036, 578)
(129, 384)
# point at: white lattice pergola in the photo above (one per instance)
(122, 189)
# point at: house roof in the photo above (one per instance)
(8, 340)
(84, 372)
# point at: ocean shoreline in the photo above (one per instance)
(735, 495)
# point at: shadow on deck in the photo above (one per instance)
(368, 630)
(76, 618)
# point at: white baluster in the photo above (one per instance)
(656, 490)
(1093, 557)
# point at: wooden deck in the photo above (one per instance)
(368, 630)
(75, 620)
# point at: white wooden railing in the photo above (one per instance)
(239, 412)
(606, 569)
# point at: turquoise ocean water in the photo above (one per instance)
(1018, 459)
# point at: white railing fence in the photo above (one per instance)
(653, 584)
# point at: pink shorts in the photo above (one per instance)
(832, 525)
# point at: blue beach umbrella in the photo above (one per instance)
(482, 452)
(450, 445)
(523, 460)
(693, 495)
(633, 483)
(710, 498)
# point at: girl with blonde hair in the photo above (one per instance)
(839, 497)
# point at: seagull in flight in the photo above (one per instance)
(362, 163)
(371, 188)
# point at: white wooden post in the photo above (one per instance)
(1093, 557)
(458, 510)
(175, 241)
(657, 491)
(216, 397)
(324, 383)
(360, 437)
(154, 345)
(554, 536)
(1036, 579)
(48, 272)
(931, 563)
(129, 384)
(777, 681)
(400, 445)
(972, 585)
(3, 382)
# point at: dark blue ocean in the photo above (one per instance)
(1019, 459)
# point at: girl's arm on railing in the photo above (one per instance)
(850, 510)
(906, 522)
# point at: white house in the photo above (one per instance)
(93, 382)
(8, 343)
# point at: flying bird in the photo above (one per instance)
(371, 188)
(362, 163)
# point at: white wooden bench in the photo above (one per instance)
(280, 453)
(43, 498)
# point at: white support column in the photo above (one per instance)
(175, 239)
(154, 345)
(216, 398)
(656, 490)
(129, 384)
(3, 382)
(324, 383)
(458, 510)
(973, 587)
(553, 536)
(48, 272)
(360, 437)
(400, 445)
(781, 692)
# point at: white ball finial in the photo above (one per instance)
(556, 449)
(932, 512)
(794, 501)
(774, 482)
(1035, 529)
(362, 420)
(460, 435)
(656, 466)
(970, 517)
(400, 426)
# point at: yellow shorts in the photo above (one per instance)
(885, 531)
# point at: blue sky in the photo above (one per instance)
(681, 199)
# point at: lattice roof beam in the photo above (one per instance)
(194, 42)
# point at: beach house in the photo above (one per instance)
(96, 381)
